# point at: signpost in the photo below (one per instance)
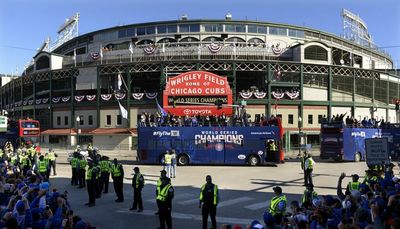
(3, 123)
(377, 152)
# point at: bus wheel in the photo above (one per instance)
(253, 160)
(183, 160)
(357, 157)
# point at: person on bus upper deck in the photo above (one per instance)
(364, 122)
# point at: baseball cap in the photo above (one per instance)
(277, 189)
(44, 186)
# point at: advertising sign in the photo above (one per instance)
(3, 123)
(377, 151)
(198, 93)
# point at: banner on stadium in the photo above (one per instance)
(196, 93)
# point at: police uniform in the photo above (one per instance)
(168, 162)
(209, 198)
(309, 166)
(74, 163)
(52, 157)
(91, 175)
(137, 184)
(165, 196)
(105, 167)
(42, 168)
(117, 173)
(82, 172)
(278, 204)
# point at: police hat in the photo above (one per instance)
(163, 171)
(355, 176)
(277, 189)
(136, 169)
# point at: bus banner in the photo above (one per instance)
(198, 93)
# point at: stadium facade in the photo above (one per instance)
(298, 73)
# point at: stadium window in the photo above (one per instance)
(122, 33)
(300, 33)
(90, 120)
(282, 31)
(183, 28)
(310, 119)
(141, 31)
(252, 29)
(66, 120)
(229, 28)
(58, 120)
(119, 120)
(213, 28)
(290, 119)
(320, 119)
(150, 30)
(162, 29)
(108, 120)
(130, 32)
(194, 28)
(81, 121)
(292, 33)
(315, 52)
(273, 30)
(172, 29)
(262, 29)
(240, 28)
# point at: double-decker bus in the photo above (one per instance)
(343, 143)
(211, 144)
(19, 132)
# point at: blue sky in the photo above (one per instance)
(24, 24)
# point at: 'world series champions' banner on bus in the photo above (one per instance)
(196, 93)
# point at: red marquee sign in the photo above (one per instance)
(196, 93)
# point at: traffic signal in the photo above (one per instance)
(218, 103)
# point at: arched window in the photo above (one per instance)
(42, 62)
(315, 52)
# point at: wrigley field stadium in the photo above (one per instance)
(95, 87)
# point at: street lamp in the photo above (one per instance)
(78, 120)
(299, 135)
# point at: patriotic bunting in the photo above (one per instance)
(65, 99)
(149, 49)
(260, 95)
(106, 97)
(151, 95)
(137, 96)
(119, 96)
(56, 99)
(214, 48)
(90, 97)
(246, 95)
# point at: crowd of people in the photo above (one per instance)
(371, 203)
(353, 122)
(27, 198)
(242, 118)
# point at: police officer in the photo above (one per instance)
(308, 195)
(52, 157)
(91, 175)
(354, 184)
(167, 163)
(25, 163)
(309, 166)
(117, 173)
(74, 163)
(42, 167)
(173, 163)
(31, 153)
(209, 198)
(165, 196)
(82, 171)
(163, 174)
(137, 184)
(105, 167)
(303, 161)
(278, 204)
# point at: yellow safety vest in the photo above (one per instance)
(354, 186)
(314, 194)
(138, 175)
(105, 166)
(159, 182)
(42, 166)
(82, 164)
(162, 196)
(116, 170)
(215, 199)
(89, 174)
(167, 159)
(74, 162)
(52, 156)
(274, 202)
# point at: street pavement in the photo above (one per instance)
(244, 192)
